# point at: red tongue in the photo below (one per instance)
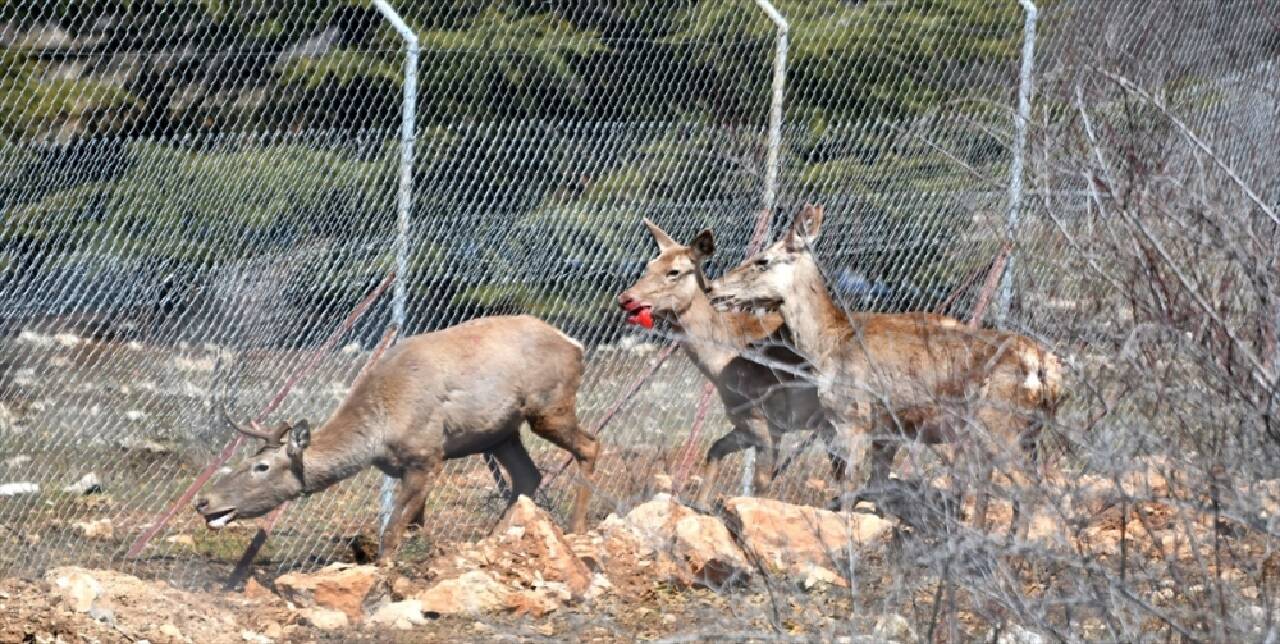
(643, 317)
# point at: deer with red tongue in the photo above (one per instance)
(761, 381)
(455, 392)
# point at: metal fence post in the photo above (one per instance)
(1019, 149)
(404, 198)
(770, 196)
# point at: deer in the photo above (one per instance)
(764, 397)
(886, 381)
(451, 393)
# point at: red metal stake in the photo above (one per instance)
(687, 454)
(984, 296)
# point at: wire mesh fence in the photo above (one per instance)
(196, 196)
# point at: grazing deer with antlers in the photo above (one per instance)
(891, 381)
(762, 402)
(455, 392)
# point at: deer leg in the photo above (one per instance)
(561, 428)
(977, 462)
(493, 464)
(1029, 442)
(884, 438)
(525, 477)
(419, 519)
(880, 456)
(855, 432)
(414, 485)
(736, 440)
(766, 455)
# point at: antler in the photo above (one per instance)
(271, 437)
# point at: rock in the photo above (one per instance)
(67, 340)
(170, 631)
(402, 587)
(254, 637)
(273, 630)
(794, 539)
(644, 539)
(103, 615)
(473, 592)
(1015, 634)
(1046, 528)
(402, 615)
(76, 586)
(654, 516)
(341, 587)
(893, 627)
(680, 545)
(14, 489)
(528, 530)
(15, 461)
(96, 529)
(600, 585)
(817, 577)
(149, 446)
(37, 339)
(704, 545)
(140, 607)
(662, 482)
(326, 619)
(184, 540)
(256, 591)
(536, 603)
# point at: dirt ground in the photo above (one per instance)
(157, 613)
(899, 592)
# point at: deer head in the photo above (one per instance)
(273, 475)
(763, 281)
(671, 280)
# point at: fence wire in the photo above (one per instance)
(195, 196)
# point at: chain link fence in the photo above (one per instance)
(195, 196)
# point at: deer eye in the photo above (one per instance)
(674, 273)
(763, 262)
(261, 467)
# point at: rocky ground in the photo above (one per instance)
(751, 569)
(656, 572)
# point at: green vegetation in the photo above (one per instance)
(547, 130)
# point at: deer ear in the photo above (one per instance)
(704, 245)
(299, 439)
(805, 229)
(659, 235)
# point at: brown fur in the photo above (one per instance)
(882, 378)
(761, 402)
(448, 394)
